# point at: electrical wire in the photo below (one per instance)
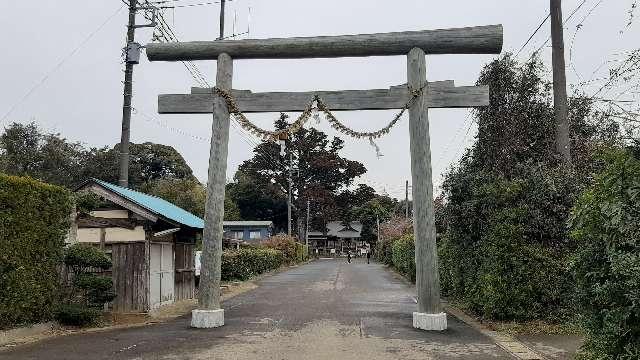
(534, 34)
(189, 5)
(60, 64)
(575, 10)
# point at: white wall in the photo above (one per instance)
(111, 214)
(92, 235)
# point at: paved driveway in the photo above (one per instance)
(326, 309)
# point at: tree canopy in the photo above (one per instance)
(320, 175)
(508, 200)
(25, 150)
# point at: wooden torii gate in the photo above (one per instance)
(415, 45)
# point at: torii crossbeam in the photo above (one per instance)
(415, 45)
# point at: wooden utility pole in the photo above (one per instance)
(132, 56)
(306, 232)
(429, 313)
(221, 20)
(123, 179)
(406, 199)
(563, 145)
(378, 229)
(289, 193)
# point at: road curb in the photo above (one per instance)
(508, 343)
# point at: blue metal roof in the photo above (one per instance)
(156, 205)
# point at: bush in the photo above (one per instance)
(34, 219)
(505, 252)
(77, 315)
(389, 232)
(403, 255)
(606, 224)
(285, 244)
(92, 281)
(89, 291)
(244, 263)
(81, 256)
(517, 280)
(302, 252)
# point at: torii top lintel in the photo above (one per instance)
(469, 40)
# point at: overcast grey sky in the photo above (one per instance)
(82, 98)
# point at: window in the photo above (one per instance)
(237, 234)
(255, 234)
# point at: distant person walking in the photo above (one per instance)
(348, 256)
(368, 256)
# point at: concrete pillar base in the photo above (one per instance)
(423, 321)
(205, 319)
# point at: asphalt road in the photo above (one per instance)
(326, 309)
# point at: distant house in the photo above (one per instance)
(151, 243)
(248, 231)
(338, 238)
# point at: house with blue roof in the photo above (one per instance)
(151, 243)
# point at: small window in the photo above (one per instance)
(238, 235)
(254, 234)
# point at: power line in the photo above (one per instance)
(59, 65)
(190, 5)
(534, 33)
(457, 134)
(167, 33)
(575, 10)
(176, 1)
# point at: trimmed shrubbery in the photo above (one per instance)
(606, 224)
(403, 256)
(504, 255)
(285, 244)
(88, 292)
(389, 232)
(77, 315)
(250, 261)
(244, 263)
(34, 219)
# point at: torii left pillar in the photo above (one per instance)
(209, 313)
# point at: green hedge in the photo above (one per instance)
(384, 252)
(606, 224)
(34, 220)
(505, 254)
(287, 245)
(78, 315)
(403, 256)
(302, 252)
(244, 263)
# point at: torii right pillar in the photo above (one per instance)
(429, 315)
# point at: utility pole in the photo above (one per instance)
(221, 20)
(123, 179)
(306, 233)
(406, 199)
(289, 193)
(132, 57)
(559, 83)
(378, 224)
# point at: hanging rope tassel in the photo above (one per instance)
(316, 115)
(375, 146)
